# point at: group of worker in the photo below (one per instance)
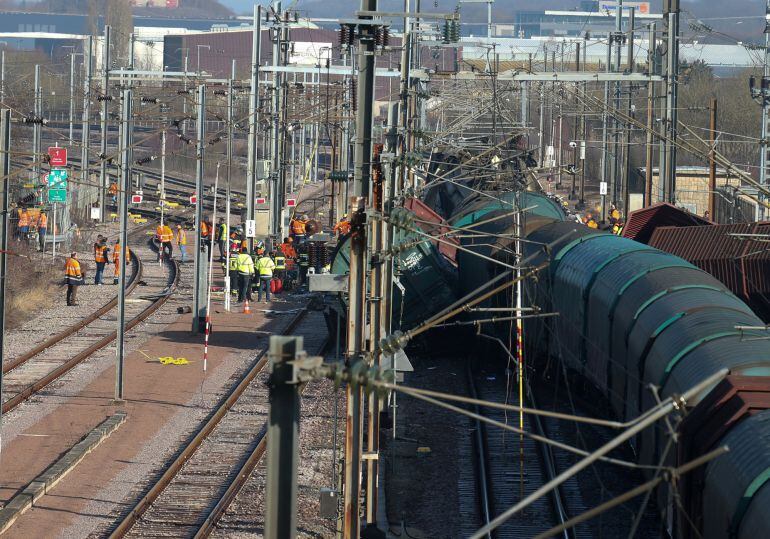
(74, 275)
(614, 218)
(29, 223)
(166, 239)
(246, 271)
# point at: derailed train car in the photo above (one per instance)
(632, 317)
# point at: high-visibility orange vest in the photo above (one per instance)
(24, 219)
(343, 227)
(72, 268)
(204, 229)
(298, 227)
(116, 254)
(100, 253)
(42, 221)
(166, 235)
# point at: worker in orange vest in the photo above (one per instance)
(73, 276)
(42, 228)
(101, 254)
(116, 260)
(342, 228)
(23, 226)
(114, 192)
(204, 238)
(181, 242)
(298, 229)
(165, 237)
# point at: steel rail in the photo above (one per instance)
(481, 450)
(71, 330)
(62, 369)
(243, 475)
(140, 507)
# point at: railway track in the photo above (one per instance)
(25, 375)
(197, 487)
(508, 468)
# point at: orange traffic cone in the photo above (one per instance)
(246, 308)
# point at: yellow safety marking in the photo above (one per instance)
(140, 221)
(170, 360)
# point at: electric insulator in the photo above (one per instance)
(344, 34)
(455, 31)
(445, 32)
(385, 36)
(351, 34)
(153, 100)
(378, 36)
(353, 94)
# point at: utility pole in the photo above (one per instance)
(575, 129)
(712, 159)
(37, 126)
(162, 193)
(583, 133)
(282, 439)
(201, 279)
(630, 113)
(764, 149)
(284, 129)
(251, 174)
(5, 223)
(105, 111)
(541, 126)
(276, 197)
(360, 193)
(671, 13)
(605, 119)
(406, 63)
(229, 145)
(650, 138)
(85, 136)
(2, 76)
(72, 94)
(126, 137)
(617, 39)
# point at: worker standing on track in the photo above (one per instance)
(116, 260)
(280, 265)
(24, 222)
(265, 267)
(165, 237)
(113, 190)
(222, 239)
(101, 255)
(42, 228)
(303, 259)
(245, 267)
(181, 242)
(233, 266)
(73, 277)
(204, 244)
